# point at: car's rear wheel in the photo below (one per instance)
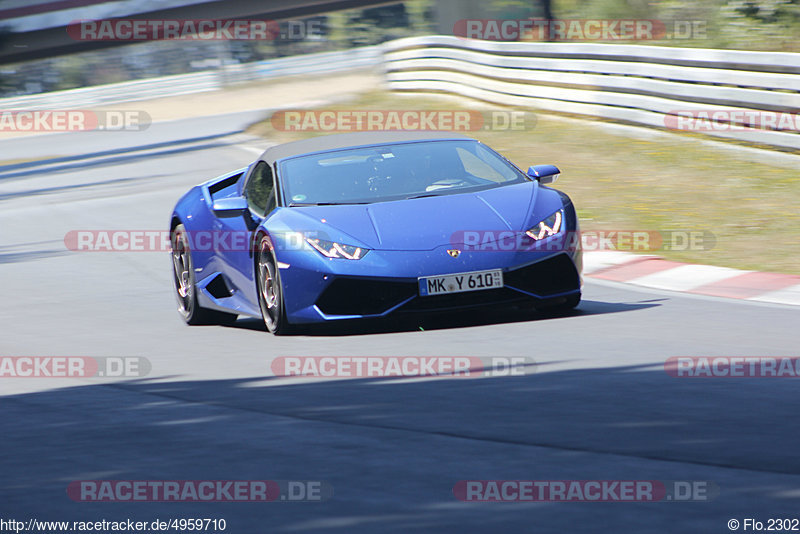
(270, 289)
(185, 288)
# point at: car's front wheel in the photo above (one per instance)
(270, 289)
(184, 281)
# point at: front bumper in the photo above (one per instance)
(385, 282)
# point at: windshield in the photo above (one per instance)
(394, 172)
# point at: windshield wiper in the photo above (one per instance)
(301, 205)
(426, 195)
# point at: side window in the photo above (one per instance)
(259, 189)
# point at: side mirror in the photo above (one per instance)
(230, 207)
(546, 174)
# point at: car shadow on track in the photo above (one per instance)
(445, 321)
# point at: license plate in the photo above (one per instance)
(460, 283)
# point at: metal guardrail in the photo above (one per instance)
(326, 62)
(198, 82)
(631, 83)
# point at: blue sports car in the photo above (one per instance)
(361, 225)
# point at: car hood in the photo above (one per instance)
(427, 223)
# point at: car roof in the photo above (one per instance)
(350, 140)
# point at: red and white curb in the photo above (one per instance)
(658, 273)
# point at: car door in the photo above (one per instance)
(234, 244)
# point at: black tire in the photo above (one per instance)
(184, 284)
(270, 289)
(561, 308)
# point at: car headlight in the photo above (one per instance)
(548, 227)
(329, 249)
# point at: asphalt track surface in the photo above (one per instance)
(599, 405)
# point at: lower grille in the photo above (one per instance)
(350, 296)
(546, 278)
